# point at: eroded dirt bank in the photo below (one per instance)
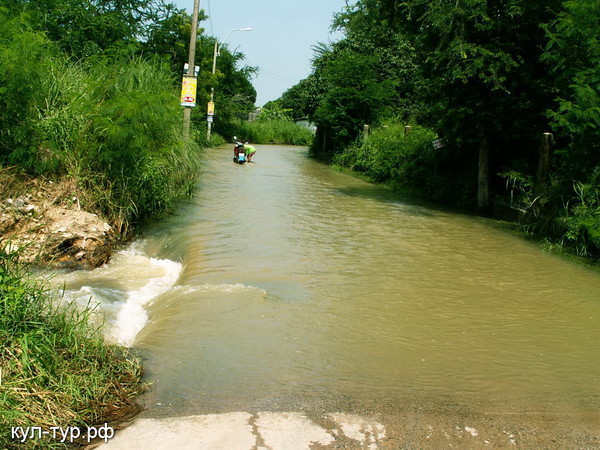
(46, 220)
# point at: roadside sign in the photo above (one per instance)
(438, 143)
(186, 67)
(211, 108)
(188, 90)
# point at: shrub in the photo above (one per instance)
(24, 58)
(580, 220)
(394, 155)
(113, 127)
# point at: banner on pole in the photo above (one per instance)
(188, 90)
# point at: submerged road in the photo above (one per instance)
(289, 304)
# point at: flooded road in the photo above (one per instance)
(286, 286)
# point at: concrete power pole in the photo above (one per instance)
(212, 89)
(187, 112)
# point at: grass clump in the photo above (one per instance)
(56, 368)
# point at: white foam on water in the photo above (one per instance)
(122, 290)
(132, 316)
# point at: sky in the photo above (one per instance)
(281, 40)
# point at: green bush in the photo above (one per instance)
(563, 212)
(24, 67)
(394, 155)
(135, 140)
(580, 221)
(115, 127)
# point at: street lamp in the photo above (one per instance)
(214, 67)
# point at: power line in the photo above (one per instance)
(276, 76)
(210, 23)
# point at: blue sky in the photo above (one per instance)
(281, 41)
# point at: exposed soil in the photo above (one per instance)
(44, 218)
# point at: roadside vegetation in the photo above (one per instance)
(397, 155)
(89, 99)
(486, 78)
(56, 370)
(272, 126)
(284, 132)
(116, 129)
(111, 124)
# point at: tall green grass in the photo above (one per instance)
(56, 369)
(566, 213)
(24, 61)
(116, 129)
(284, 132)
(581, 219)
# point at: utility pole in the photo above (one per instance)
(187, 112)
(212, 90)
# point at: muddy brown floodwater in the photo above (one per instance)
(286, 286)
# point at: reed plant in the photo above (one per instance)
(56, 368)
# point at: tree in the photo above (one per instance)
(300, 99)
(573, 55)
(234, 94)
(366, 77)
(86, 28)
(486, 85)
(169, 37)
(573, 196)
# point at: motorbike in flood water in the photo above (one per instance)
(239, 152)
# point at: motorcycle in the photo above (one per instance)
(239, 152)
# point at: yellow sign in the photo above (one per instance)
(211, 108)
(188, 90)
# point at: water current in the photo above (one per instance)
(287, 284)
